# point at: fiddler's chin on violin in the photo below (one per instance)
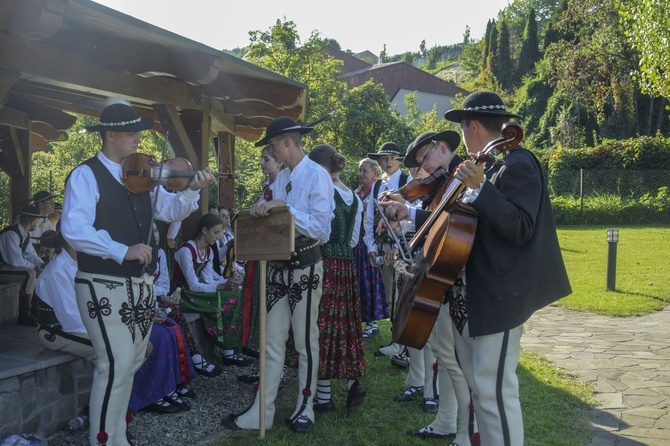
(436, 254)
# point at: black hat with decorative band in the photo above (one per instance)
(279, 126)
(41, 196)
(450, 137)
(480, 103)
(388, 148)
(31, 211)
(121, 117)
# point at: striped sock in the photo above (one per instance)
(322, 391)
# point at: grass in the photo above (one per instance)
(547, 393)
(556, 406)
(642, 279)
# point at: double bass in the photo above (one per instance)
(442, 246)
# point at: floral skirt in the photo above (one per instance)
(168, 365)
(370, 287)
(340, 334)
(221, 313)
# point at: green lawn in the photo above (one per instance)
(556, 406)
(642, 278)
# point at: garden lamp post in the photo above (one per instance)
(612, 240)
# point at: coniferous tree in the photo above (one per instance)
(501, 66)
(530, 52)
(487, 44)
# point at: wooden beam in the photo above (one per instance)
(226, 159)
(53, 66)
(7, 81)
(179, 139)
(192, 121)
(47, 132)
(20, 185)
(233, 87)
(14, 118)
(256, 109)
(11, 143)
(38, 112)
(37, 18)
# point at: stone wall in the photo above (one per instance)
(44, 400)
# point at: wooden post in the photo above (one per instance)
(261, 357)
(193, 124)
(226, 159)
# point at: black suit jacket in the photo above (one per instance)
(515, 266)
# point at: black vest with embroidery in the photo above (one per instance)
(126, 217)
(23, 244)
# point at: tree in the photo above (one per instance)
(383, 56)
(466, 35)
(501, 61)
(647, 28)
(530, 52)
(486, 48)
(422, 48)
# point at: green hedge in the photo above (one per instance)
(613, 210)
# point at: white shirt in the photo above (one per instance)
(55, 286)
(162, 282)
(81, 198)
(210, 279)
(173, 230)
(390, 183)
(348, 198)
(11, 250)
(310, 198)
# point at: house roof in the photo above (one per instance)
(394, 76)
(68, 56)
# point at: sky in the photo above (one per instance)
(357, 25)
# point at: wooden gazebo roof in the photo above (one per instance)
(68, 56)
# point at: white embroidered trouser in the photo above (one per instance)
(118, 315)
(454, 391)
(298, 310)
(489, 364)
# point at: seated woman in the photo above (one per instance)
(170, 304)
(206, 292)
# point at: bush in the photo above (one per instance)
(613, 210)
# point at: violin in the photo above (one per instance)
(140, 173)
(424, 189)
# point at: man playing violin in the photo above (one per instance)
(110, 228)
(432, 152)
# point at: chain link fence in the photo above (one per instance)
(627, 184)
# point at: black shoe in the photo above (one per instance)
(251, 352)
(356, 394)
(250, 378)
(401, 360)
(301, 425)
(429, 432)
(185, 392)
(230, 422)
(328, 406)
(235, 360)
(206, 368)
(175, 400)
(27, 320)
(430, 405)
(408, 395)
(161, 406)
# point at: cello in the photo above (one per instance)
(442, 246)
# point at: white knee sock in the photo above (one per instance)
(322, 391)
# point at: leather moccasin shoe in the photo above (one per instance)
(429, 432)
(301, 425)
(229, 422)
(328, 406)
(236, 360)
(430, 405)
(356, 394)
(161, 406)
(408, 395)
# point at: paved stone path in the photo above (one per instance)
(626, 360)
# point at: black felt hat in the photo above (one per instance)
(121, 118)
(31, 211)
(480, 103)
(452, 139)
(41, 196)
(279, 126)
(388, 148)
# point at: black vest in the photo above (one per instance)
(126, 217)
(23, 244)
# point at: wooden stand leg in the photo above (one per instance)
(261, 375)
